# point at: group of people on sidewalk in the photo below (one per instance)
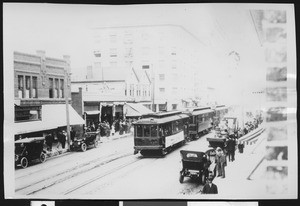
(120, 126)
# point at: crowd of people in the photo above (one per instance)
(227, 153)
(119, 126)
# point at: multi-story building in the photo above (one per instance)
(107, 100)
(42, 87)
(170, 55)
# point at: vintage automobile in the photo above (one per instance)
(29, 149)
(87, 140)
(195, 165)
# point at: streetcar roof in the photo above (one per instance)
(221, 108)
(162, 114)
(153, 120)
(197, 111)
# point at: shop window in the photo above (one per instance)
(50, 87)
(27, 86)
(20, 86)
(27, 113)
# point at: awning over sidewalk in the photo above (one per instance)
(56, 114)
(251, 137)
(34, 126)
(136, 110)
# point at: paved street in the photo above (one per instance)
(112, 171)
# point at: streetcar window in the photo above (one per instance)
(161, 131)
(153, 131)
(139, 131)
(200, 118)
(146, 131)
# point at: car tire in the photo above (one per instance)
(203, 178)
(43, 157)
(24, 162)
(181, 177)
(83, 147)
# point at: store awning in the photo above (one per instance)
(34, 126)
(252, 136)
(56, 114)
(136, 110)
(92, 112)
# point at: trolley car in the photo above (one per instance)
(200, 121)
(219, 112)
(160, 132)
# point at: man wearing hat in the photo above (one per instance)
(220, 162)
(209, 187)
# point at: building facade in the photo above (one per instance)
(104, 100)
(170, 55)
(42, 95)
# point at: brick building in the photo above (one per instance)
(41, 89)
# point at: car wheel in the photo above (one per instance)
(203, 178)
(83, 147)
(96, 143)
(43, 157)
(24, 162)
(181, 177)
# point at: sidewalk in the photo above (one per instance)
(235, 183)
(57, 151)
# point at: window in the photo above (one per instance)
(128, 53)
(154, 131)
(27, 113)
(139, 131)
(145, 67)
(162, 107)
(128, 39)
(146, 131)
(174, 106)
(173, 52)
(162, 90)
(34, 87)
(61, 91)
(20, 86)
(50, 87)
(161, 77)
(97, 53)
(131, 92)
(56, 93)
(27, 86)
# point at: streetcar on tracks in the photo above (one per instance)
(219, 112)
(158, 133)
(200, 121)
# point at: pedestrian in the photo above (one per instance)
(231, 143)
(220, 162)
(209, 187)
(241, 147)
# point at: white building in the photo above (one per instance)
(170, 55)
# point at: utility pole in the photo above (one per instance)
(67, 88)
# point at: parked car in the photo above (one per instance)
(29, 149)
(88, 140)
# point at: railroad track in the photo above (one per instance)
(64, 175)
